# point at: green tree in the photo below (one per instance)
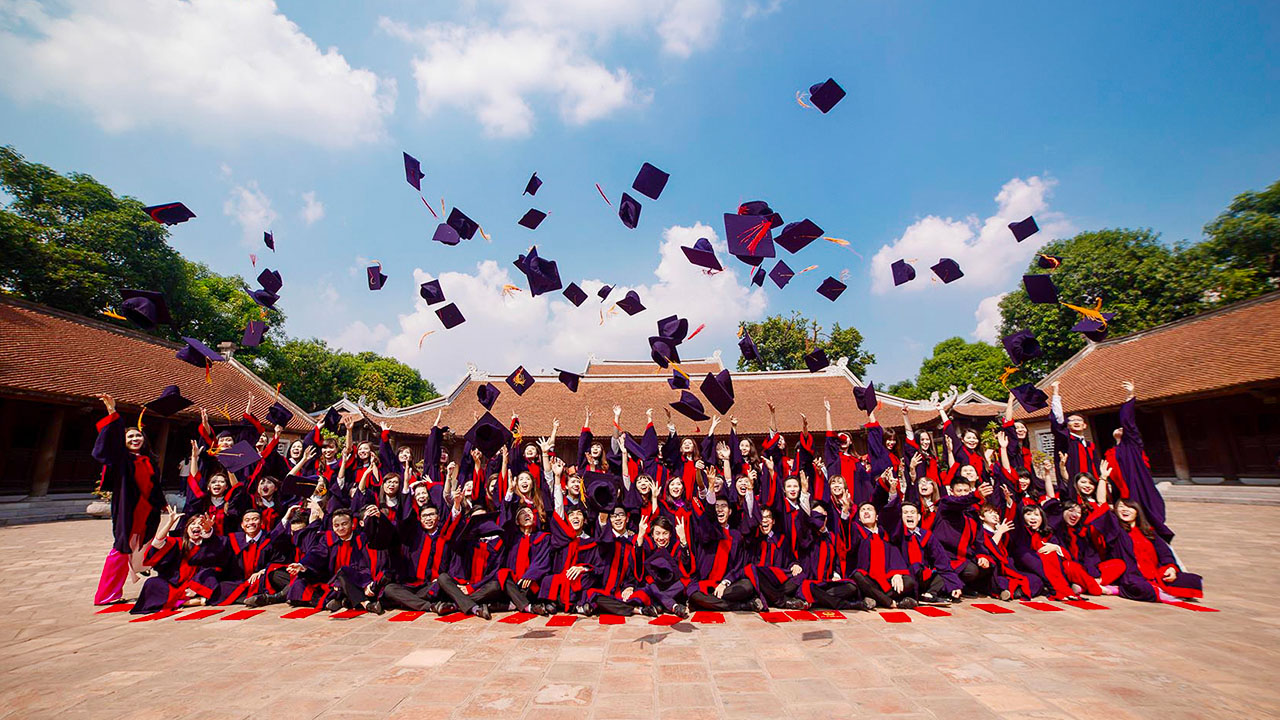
(959, 363)
(1242, 246)
(784, 341)
(316, 376)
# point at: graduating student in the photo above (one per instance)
(591, 452)
(575, 562)
(666, 565)
(839, 458)
(1151, 572)
(386, 496)
(772, 569)
(1131, 469)
(290, 541)
(424, 547)
(719, 558)
(132, 475)
(397, 461)
(1015, 432)
(879, 569)
(825, 580)
(927, 561)
(185, 568)
(620, 579)
(267, 499)
(1007, 581)
(685, 459)
(775, 448)
(1036, 552)
(1082, 454)
(956, 527)
(342, 566)
(256, 560)
(919, 454)
(523, 558)
(965, 447)
(220, 498)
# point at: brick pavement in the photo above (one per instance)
(62, 660)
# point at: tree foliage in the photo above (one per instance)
(959, 363)
(784, 341)
(316, 375)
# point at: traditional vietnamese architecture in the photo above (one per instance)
(53, 363)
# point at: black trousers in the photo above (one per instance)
(609, 605)
(348, 591)
(978, 579)
(401, 596)
(776, 592)
(487, 594)
(837, 596)
(737, 596)
(870, 588)
(934, 586)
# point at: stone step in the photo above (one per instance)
(1228, 494)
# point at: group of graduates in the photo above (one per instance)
(640, 522)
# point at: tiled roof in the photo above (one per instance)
(58, 355)
(1212, 352)
(700, 366)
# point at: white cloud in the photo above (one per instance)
(358, 337)
(312, 209)
(218, 70)
(683, 26)
(548, 331)
(251, 209)
(985, 249)
(759, 9)
(988, 317)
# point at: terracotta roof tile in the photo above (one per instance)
(699, 367)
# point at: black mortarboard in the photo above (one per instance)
(1022, 346)
(169, 213)
(533, 218)
(631, 303)
(331, 420)
(1030, 397)
(718, 390)
(603, 292)
(663, 351)
(197, 353)
(531, 187)
(689, 406)
(413, 172)
(831, 288)
(749, 236)
(761, 208)
(1093, 329)
(1048, 262)
(239, 456)
(269, 240)
(376, 278)
(865, 398)
(902, 272)
(446, 235)
(795, 236)
(575, 294)
(520, 380)
(488, 434)
(1024, 229)
(825, 95)
(673, 328)
(488, 394)
(450, 315)
(702, 255)
(253, 333)
(602, 490)
(757, 278)
(431, 292)
(747, 347)
(662, 567)
(678, 381)
(543, 274)
(650, 181)
(265, 298)
(816, 360)
(1040, 288)
(169, 402)
(145, 308)
(781, 274)
(278, 414)
(947, 270)
(465, 226)
(568, 379)
(270, 280)
(629, 211)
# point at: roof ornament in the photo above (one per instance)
(472, 370)
(843, 363)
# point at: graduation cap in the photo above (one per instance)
(169, 402)
(278, 414)
(376, 278)
(947, 270)
(748, 348)
(269, 240)
(169, 213)
(465, 226)
(431, 292)
(749, 236)
(568, 379)
(239, 456)
(1040, 288)
(663, 351)
(543, 274)
(661, 567)
(631, 303)
(446, 235)
(1093, 329)
(1022, 346)
(253, 333)
(902, 272)
(781, 274)
(413, 172)
(831, 288)
(865, 398)
(533, 218)
(488, 434)
(197, 353)
(825, 95)
(145, 308)
(531, 187)
(650, 181)
(602, 490)
(331, 420)
(575, 294)
(760, 208)
(488, 394)
(296, 486)
(604, 291)
(629, 211)
(450, 315)
(1048, 262)
(703, 255)
(689, 406)
(795, 236)
(757, 278)
(673, 328)
(1024, 229)
(265, 298)
(678, 381)
(718, 390)
(1030, 397)
(520, 380)
(816, 360)
(270, 280)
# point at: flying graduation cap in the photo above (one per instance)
(631, 303)
(678, 381)
(831, 288)
(431, 292)
(1030, 397)
(1022, 346)
(331, 420)
(270, 280)
(816, 360)
(703, 255)
(413, 172)
(239, 457)
(169, 213)
(1048, 262)
(269, 240)
(264, 298)
(376, 278)
(488, 394)
(278, 414)
(825, 95)
(465, 226)
(781, 274)
(797, 235)
(568, 379)
(748, 348)
(543, 274)
(575, 294)
(663, 351)
(145, 308)
(603, 292)
(488, 434)
(650, 181)
(1024, 229)
(757, 278)
(1040, 288)
(1092, 329)
(865, 398)
(947, 270)
(718, 390)
(532, 219)
(446, 235)
(689, 406)
(169, 402)
(629, 211)
(253, 333)
(450, 316)
(750, 237)
(520, 380)
(674, 328)
(197, 353)
(902, 272)
(602, 490)
(531, 187)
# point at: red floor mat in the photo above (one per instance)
(776, 616)
(347, 614)
(1042, 606)
(992, 608)
(928, 611)
(242, 615)
(665, 620)
(300, 613)
(895, 616)
(708, 618)
(200, 614)
(829, 615)
(802, 615)
(517, 618)
(612, 620)
(1085, 605)
(118, 607)
(406, 616)
(561, 620)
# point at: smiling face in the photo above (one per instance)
(743, 485)
(744, 447)
(251, 522)
(391, 485)
(1020, 430)
(225, 441)
(926, 487)
(1033, 518)
(525, 519)
(661, 536)
(267, 488)
(960, 486)
(926, 441)
(295, 451)
(1076, 424)
(791, 488)
(675, 487)
(686, 446)
(362, 451)
(421, 496)
(429, 517)
(838, 487)
(766, 520)
(782, 443)
(910, 517)
(133, 440)
(1085, 485)
(261, 443)
(722, 512)
(574, 485)
(218, 485)
(524, 483)
(596, 451)
(970, 439)
(1126, 512)
(618, 520)
(195, 530)
(990, 517)
(405, 456)
(970, 473)
(1071, 514)
(328, 451)
(343, 526)
(530, 452)
(644, 485)
(575, 518)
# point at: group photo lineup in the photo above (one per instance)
(611, 360)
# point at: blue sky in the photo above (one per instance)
(960, 117)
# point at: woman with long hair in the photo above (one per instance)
(185, 566)
(1151, 572)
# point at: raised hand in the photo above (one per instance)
(248, 407)
(107, 401)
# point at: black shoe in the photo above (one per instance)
(970, 594)
(680, 611)
(956, 599)
(928, 598)
(796, 604)
(649, 611)
(254, 601)
(482, 612)
(907, 603)
(868, 603)
(444, 608)
(536, 609)
(374, 607)
(333, 605)
(583, 610)
(757, 605)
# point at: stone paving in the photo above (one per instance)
(60, 659)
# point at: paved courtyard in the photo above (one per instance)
(60, 659)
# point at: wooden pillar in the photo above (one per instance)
(159, 444)
(1181, 469)
(47, 455)
(6, 431)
